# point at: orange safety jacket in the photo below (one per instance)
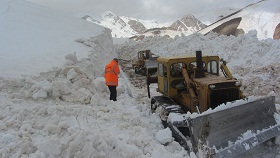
(111, 73)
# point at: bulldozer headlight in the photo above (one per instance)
(211, 86)
(237, 83)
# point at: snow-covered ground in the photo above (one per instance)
(65, 112)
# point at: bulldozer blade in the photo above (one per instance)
(150, 64)
(232, 131)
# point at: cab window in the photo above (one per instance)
(164, 71)
(160, 69)
(212, 67)
(176, 70)
(193, 65)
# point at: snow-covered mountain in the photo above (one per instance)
(262, 16)
(187, 23)
(120, 26)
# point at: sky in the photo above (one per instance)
(160, 10)
(65, 112)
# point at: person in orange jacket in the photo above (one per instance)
(112, 71)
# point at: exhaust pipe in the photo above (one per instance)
(199, 71)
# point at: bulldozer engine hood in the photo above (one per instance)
(218, 81)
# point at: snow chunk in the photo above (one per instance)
(63, 125)
(27, 148)
(173, 117)
(46, 86)
(7, 139)
(100, 85)
(252, 33)
(40, 94)
(39, 90)
(164, 136)
(96, 99)
(277, 140)
(60, 87)
(82, 96)
(53, 129)
(50, 146)
(277, 118)
(72, 74)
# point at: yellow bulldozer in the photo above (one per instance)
(206, 111)
(145, 63)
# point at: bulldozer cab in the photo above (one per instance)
(208, 85)
(144, 55)
(170, 71)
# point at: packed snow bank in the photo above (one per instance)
(254, 62)
(36, 39)
(74, 82)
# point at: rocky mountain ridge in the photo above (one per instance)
(187, 23)
(122, 26)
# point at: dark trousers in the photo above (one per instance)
(113, 92)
